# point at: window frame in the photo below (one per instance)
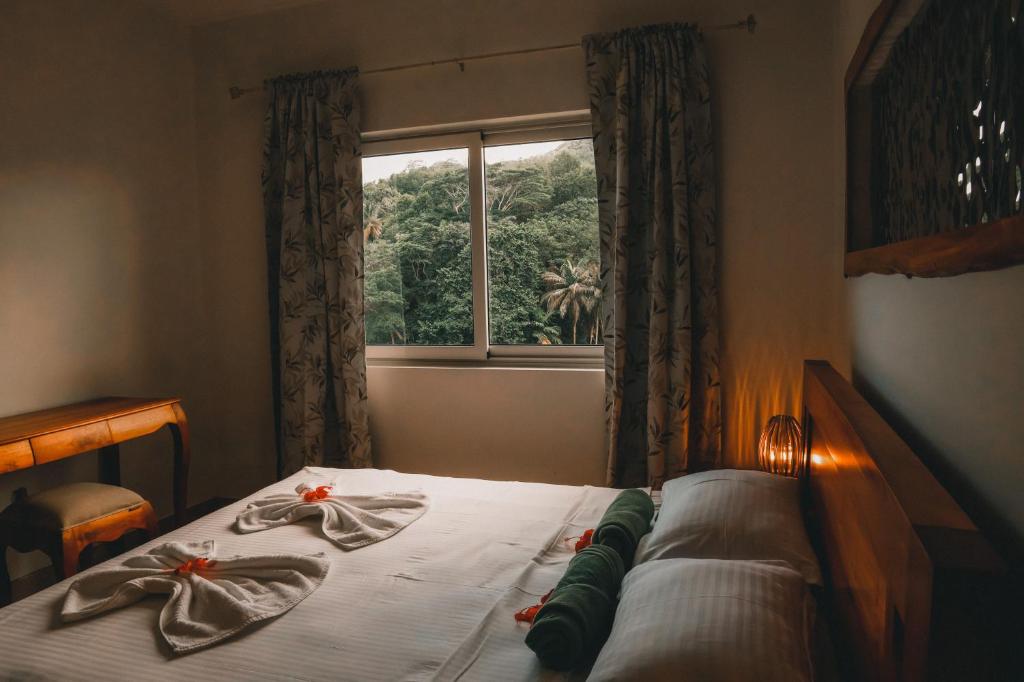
(476, 142)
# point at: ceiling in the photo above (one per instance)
(196, 12)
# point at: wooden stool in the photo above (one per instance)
(65, 520)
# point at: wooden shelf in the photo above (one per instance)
(989, 246)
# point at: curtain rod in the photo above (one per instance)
(750, 23)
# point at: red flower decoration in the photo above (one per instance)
(584, 540)
(321, 492)
(195, 565)
(530, 612)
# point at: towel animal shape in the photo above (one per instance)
(211, 599)
(349, 521)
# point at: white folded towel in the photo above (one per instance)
(349, 521)
(210, 598)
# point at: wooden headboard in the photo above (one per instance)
(910, 577)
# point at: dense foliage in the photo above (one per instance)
(542, 252)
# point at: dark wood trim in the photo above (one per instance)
(872, 32)
(912, 588)
(989, 246)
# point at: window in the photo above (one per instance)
(482, 245)
(418, 287)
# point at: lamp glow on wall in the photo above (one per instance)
(780, 450)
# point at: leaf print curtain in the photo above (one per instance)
(313, 206)
(650, 105)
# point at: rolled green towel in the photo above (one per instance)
(577, 617)
(627, 519)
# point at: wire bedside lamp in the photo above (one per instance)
(780, 450)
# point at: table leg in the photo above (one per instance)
(110, 465)
(182, 458)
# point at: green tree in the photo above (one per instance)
(379, 199)
(382, 294)
(571, 178)
(517, 191)
(436, 263)
(515, 287)
(548, 335)
(541, 217)
(574, 291)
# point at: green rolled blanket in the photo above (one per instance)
(576, 619)
(627, 519)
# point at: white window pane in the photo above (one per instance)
(419, 284)
(542, 243)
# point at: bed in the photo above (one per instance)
(435, 601)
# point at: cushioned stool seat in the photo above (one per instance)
(65, 520)
(74, 504)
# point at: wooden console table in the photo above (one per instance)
(35, 438)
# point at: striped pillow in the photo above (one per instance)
(709, 620)
(732, 514)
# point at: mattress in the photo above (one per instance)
(434, 602)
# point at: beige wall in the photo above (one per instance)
(942, 360)
(780, 289)
(509, 424)
(98, 228)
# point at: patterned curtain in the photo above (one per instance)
(949, 114)
(650, 103)
(313, 205)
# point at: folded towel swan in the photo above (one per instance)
(210, 600)
(349, 521)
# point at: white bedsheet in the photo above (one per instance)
(434, 602)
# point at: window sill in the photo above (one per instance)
(590, 364)
(497, 356)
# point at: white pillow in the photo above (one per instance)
(709, 620)
(732, 514)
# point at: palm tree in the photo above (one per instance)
(595, 320)
(373, 229)
(373, 223)
(573, 289)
